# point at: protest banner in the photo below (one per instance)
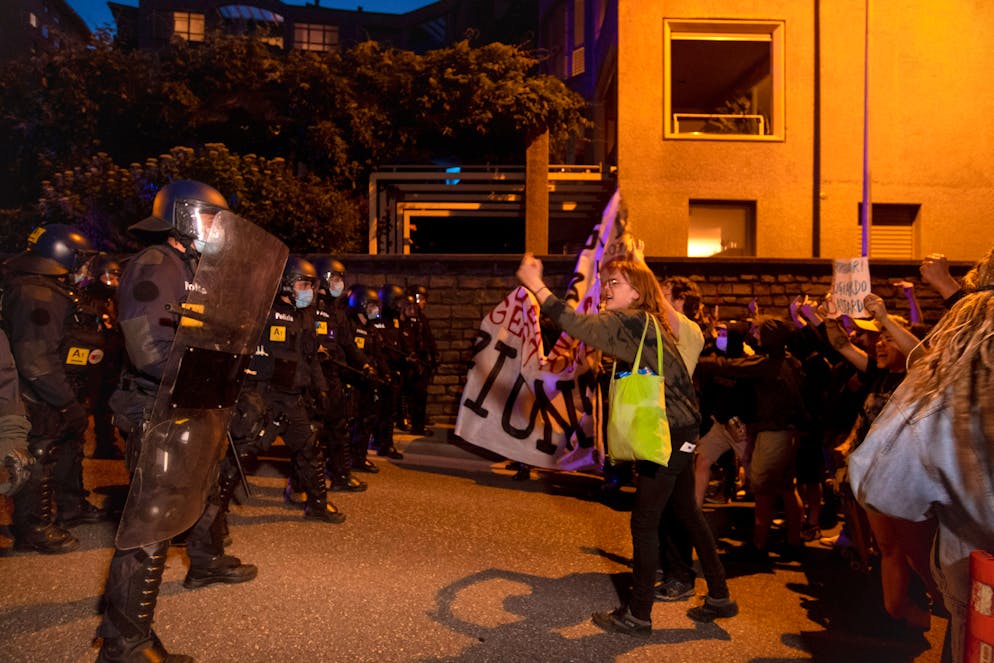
(533, 406)
(850, 285)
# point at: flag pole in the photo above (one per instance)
(865, 215)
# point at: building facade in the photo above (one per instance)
(737, 127)
(154, 23)
(33, 26)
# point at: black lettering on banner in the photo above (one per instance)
(481, 341)
(505, 420)
(503, 351)
(572, 294)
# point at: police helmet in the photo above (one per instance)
(297, 269)
(104, 269)
(393, 297)
(183, 207)
(327, 267)
(360, 296)
(419, 293)
(53, 250)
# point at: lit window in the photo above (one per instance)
(722, 228)
(315, 37)
(188, 26)
(33, 20)
(892, 230)
(724, 79)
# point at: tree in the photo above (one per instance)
(104, 198)
(333, 117)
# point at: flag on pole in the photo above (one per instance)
(533, 405)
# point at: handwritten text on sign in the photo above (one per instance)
(850, 285)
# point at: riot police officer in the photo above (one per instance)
(286, 370)
(343, 363)
(38, 305)
(98, 304)
(394, 358)
(424, 358)
(155, 281)
(364, 311)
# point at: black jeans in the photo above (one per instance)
(655, 487)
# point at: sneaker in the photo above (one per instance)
(713, 609)
(222, 568)
(620, 620)
(674, 590)
(840, 540)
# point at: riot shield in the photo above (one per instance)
(184, 439)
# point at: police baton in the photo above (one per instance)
(238, 465)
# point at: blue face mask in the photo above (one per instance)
(199, 245)
(303, 298)
(336, 290)
(721, 343)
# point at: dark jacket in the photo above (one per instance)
(617, 333)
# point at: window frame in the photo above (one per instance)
(325, 29)
(726, 30)
(189, 35)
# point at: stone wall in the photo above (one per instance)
(462, 289)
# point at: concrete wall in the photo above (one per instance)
(931, 123)
(658, 177)
(462, 289)
(931, 119)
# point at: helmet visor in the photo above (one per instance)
(194, 218)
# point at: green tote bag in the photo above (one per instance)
(637, 428)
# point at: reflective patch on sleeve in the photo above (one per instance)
(77, 356)
(360, 342)
(277, 333)
(396, 323)
(191, 322)
(322, 327)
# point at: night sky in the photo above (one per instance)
(96, 14)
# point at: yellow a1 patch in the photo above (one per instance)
(360, 342)
(322, 328)
(277, 333)
(187, 321)
(77, 356)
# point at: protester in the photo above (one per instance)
(630, 293)
(930, 452)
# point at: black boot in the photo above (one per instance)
(318, 507)
(346, 483)
(34, 521)
(132, 591)
(221, 568)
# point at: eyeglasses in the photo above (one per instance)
(614, 282)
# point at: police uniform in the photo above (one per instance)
(99, 302)
(158, 276)
(285, 370)
(393, 362)
(36, 311)
(339, 356)
(418, 338)
(363, 401)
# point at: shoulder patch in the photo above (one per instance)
(150, 256)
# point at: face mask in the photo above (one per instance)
(336, 290)
(303, 298)
(199, 245)
(721, 343)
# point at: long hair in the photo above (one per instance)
(644, 282)
(958, 363)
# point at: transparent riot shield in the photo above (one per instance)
(185, 436)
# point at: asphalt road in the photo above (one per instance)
(444, 558)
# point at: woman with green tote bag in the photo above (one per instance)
(633, 312)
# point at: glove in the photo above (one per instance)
(74, 418)
(322, 402)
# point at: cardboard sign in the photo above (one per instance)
(850, 285)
